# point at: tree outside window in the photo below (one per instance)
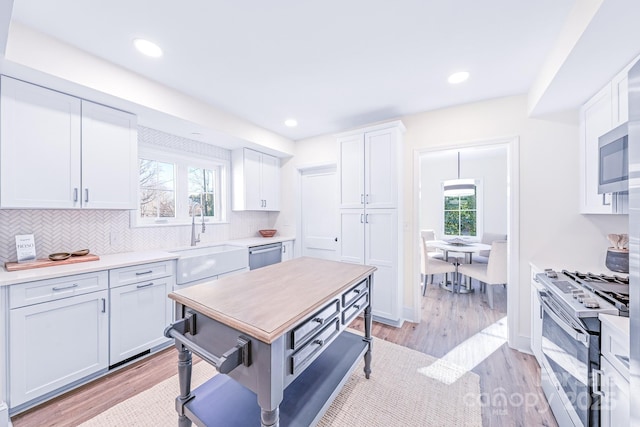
(201, 190)
(157, 189)
(460, 215)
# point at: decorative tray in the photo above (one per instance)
(457, 242)
(46, 262)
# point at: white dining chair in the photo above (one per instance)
(493, 273)
(433, 266)
(488, 238)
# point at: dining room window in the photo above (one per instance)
(460, 214)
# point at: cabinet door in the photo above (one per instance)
(596, 120)
(139, 314)
(536, 321)
(381, 251)
(380, 174)
(351, 171)
(615, 407)
(352, 235)
(56, 343)
(252, 180)
(287, 250)
(109, 158)
(39, 147)
(270, 183)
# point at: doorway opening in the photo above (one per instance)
(493, 165)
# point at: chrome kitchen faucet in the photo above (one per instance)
(193, 222)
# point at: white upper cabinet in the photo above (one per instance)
(595, 120)
(39, 147)
(60, 152)
(369, 169)
(109, 158)
(256, 181)
(620, 97)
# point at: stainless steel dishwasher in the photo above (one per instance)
(263, 255)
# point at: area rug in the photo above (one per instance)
(397, 394)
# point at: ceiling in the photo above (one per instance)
(335, 65)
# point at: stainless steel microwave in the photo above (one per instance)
(613, 161)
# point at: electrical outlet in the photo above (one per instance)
(114, 238)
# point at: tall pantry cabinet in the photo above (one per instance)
(370, 211)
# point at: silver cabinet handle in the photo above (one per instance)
(366, 199)
(86, 195)
(319, 342)
(146, 285)
(604, 201)
(56, 288)
(356, 306)
(597, 381)
(104, 305)
(75, 194)
(361, 218)
(366, 219)
(140, 273)
(319, 320)
(362, 199)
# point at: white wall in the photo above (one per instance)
(552, 232)
(486, 164)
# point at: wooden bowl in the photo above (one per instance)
(59, 256)
(267, 233)
(81, 252)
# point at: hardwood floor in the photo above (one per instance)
(451, 324)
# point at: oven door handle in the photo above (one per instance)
(576, 335)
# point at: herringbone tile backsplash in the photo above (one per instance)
(107, 231)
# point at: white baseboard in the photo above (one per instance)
(522, 344)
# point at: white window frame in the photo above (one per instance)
(183, 161)
(479, 213)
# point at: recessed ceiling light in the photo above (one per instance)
(148, 48)
(291, 123)
(458, 77)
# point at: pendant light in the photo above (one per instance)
(459, 187)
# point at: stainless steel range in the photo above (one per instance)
(571, 303)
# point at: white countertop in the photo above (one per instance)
(105, 262)
(124, 259)
(619, 323)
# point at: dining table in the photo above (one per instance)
(458, 246)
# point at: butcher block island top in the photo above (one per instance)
(266, 302)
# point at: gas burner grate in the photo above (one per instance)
(591, 277)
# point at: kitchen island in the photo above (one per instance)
(277, 337)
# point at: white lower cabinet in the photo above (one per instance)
(68, 330)
(55, 343)
(615, 409)
(139, 314)
(140, 310)
(287, 250)
(536, 317)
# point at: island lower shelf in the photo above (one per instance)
(223, 401)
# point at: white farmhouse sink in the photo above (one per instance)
(209, 261)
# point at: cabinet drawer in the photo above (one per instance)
(352, 294)
(53, 289)
(354, 309)
(139, 273)
(303, 332)
(306, 354)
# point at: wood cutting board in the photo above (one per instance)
(46, 262)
